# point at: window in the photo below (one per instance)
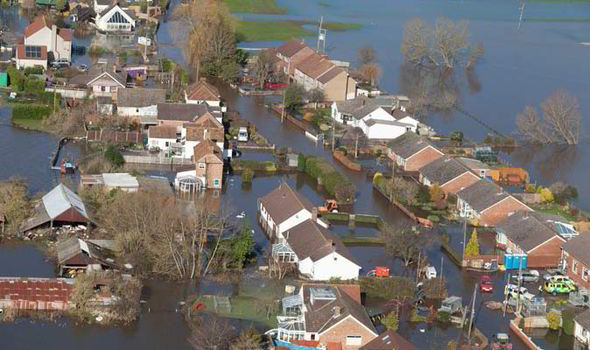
(167, 143)
(102, 88)
(574, 266)
(354, 340)
(201, 165)
(585, 273)
(313, 336)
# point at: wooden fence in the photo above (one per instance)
(134, 137)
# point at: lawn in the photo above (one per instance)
(252, 31)
(30, 124)
(255, 6)
(243, 308)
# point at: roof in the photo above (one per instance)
(65, 34)
(61, 199)
(36, 289)
(409, 144)
(443, 170)
(473, 164)
(579, 247)
(75, 251)
(208, 148)
(31, 52)
(310, 240)
(96, 72)
(372, 122)
(291, 47)
(527, 229)
(315, 65)
(482, 195)
(203, 91)
(155, 183)
(105, 11)
(120, 180)
(162, 132)
(320, 315)
(104, 2)
(390, 340)
(331, 74)
(140, 97)
(41, 22)
(283, 202)
(360, 106)
(181, 111)
(583, 319)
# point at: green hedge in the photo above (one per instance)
(255, 165)
(30, 111)
(319, 168)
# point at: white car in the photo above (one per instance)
(514, 292)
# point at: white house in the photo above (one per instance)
(102, 79)
(163, 137)
(114, 19)
(58, 41)
(582, 327)
(101, 5)
(203, 92)
(283, 209)
(139, 102)
(31, 56)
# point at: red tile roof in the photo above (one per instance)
(203, 91)
(35, 289)
(291, 47)
(38, 24)
(65, 34)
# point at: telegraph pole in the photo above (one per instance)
(472, 313)
(522, 5)
(464, 238)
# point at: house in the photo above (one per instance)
(411, 152)
(101, 5)
(164, 138)
(104, 105)
(177, 114)
(323, 316)
(318, 254)
(576, 259)
(203, 92)
(82, 13)
(75, 255)
(60, 206)
(28, 56)
(450, 174)
(582, 327)
(477, 166)
(531, 237)
(139, 102)
(102, 79)
(282, 209)
(290, 54)
(114, 19)
(487, 202)
(390, 340)
(319, 72)
(209, 164)
(57, 41)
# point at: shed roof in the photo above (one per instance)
(77, 251)
(140, 97)
(482, 195)
(60, 199)
(120, 180)
(527, 229)
(443, 170)
(409, 144)
(283, 202)
(579, 247)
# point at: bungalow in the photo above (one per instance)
(319, 72)
(576, 259)
(114, 19)
(29, 56)
(75, 255)
(283, 209)
(450, 174)
(324, 316)
(487, 202)
(138, 102)
(290, 54)
(582, 327)
(57, 41)
(390, 340)
(203, 92)
(101, 79)
(531, 240)
(411, 152)
(477, 166)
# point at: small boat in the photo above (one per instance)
(241, 215)
(501, 341)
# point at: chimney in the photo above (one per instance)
(526, 213)
(314, 214)
(336, 310)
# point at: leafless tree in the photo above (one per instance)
(263, 67)
(210, 332)
(371, 72)
(560, 124)
(249, 339)
(405, 243)
(15, 205)
(367, 55)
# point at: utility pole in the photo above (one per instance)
(441, 272)
(519, 284)
(472, 313)
(522, 5)
(333, 134)
(464, 238)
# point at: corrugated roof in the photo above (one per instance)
(60, 199)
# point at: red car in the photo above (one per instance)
(485, 284)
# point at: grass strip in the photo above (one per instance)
(255, 6)
(255, 30)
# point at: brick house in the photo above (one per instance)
(487, 202)
(209, 164)
(390, 340)
(450, 174)
(576, 259)
(531, 235)
(57, 41)
(318, 72)
(325, 315)
(582, 328)
(477, 166)
(290, 54)
(176, 114)
(411, 152)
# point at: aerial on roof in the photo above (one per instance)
(482, 195)
(527, 229)
(579, 247)
(181, 111)
(140, 97)
(409, 144)
(443, 170)
(203, 91)
(283, 202)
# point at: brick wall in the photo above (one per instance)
(349, 326)
(577, 276)
(457, 184)
(500, 211)
(546, 255)
(420, 159)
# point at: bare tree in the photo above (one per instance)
(371, 72)
(263, 67)
(367, 55)
(560, 124)
(210, 332)
(450, 41)
(417, 41)
(15, 206)
(249, 339)
(405, 243)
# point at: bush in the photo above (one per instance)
(391, 321)
(30, 111)
(433, 218)
(33, 85)
(247, 175)
(443, 317)
(554, 320)
(113, 155)
(17, 78)
(301, 162)
(568, 321)
(33, 70)
(334, 182)
(255, 165)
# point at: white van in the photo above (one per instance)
(243, 134)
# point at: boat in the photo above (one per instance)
(501, 341)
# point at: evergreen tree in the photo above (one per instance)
(472, 249)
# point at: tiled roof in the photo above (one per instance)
(65, 34)
(283, 202)
(315, 65)
(331, 74)
(527, 229)
(360, 106)
(579, 247)
(482, 195)
(584, 319)
(38, 23)
(97, 71)
(181, 111)
(203, 91)
(291, 47)
(473, 164)
(208, 148)
(162, 132)
(140, 97)
(408, 144)
(443, 170)
(390, 340)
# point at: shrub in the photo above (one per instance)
(472, 249)
(113, 155)
(554, 320)
(247, 175)
(443, 317)
(334, 182)
(17, 78)
(433, 218)
(301, 162)
(30, 111)
(391, 321)
(436, 193)
(546, 195)
(33, 85)
(33, 70)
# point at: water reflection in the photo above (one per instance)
(550, 162)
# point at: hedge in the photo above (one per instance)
(30, 111)
(320, 169)
(256, 165)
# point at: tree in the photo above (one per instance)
(391, 321)
(210, 332)
(294, 97)
(546, 195)
(249, 339)
(60, 5)
(344, 192)
(316, 96)
(371, 72)
(367, 55)
(15, 205)
(263, 67)
(436, 193)
(560, 123)
(554, 320)
(563, 192)
(405, 243)
(472, 249)
(401, 190)
(113, 155)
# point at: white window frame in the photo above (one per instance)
(585, 273)
(201, 165)
(354, 340)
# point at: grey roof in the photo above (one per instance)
(361, 106)
(409, 144)
(320, 315)
(104, 2)
(584, 319)
(390, 340)
(87, 250)
(140, 97)
(329, 75)
(443, 170)
(181, 111)
(96, 71)
(527, 229)
(579, 247)
(129, 13)
(120, 180)
(482, 195)
(473, 164)
(372, 122)
(283, 202)
(310, 240)
(60, 199)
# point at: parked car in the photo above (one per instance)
(557, 288)
(552, 272)
(527, 276)
(485, 284)
(501, 341)
(562, 279)
(83, 68)
(243, 134)
(515, 292)
(60, 63)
